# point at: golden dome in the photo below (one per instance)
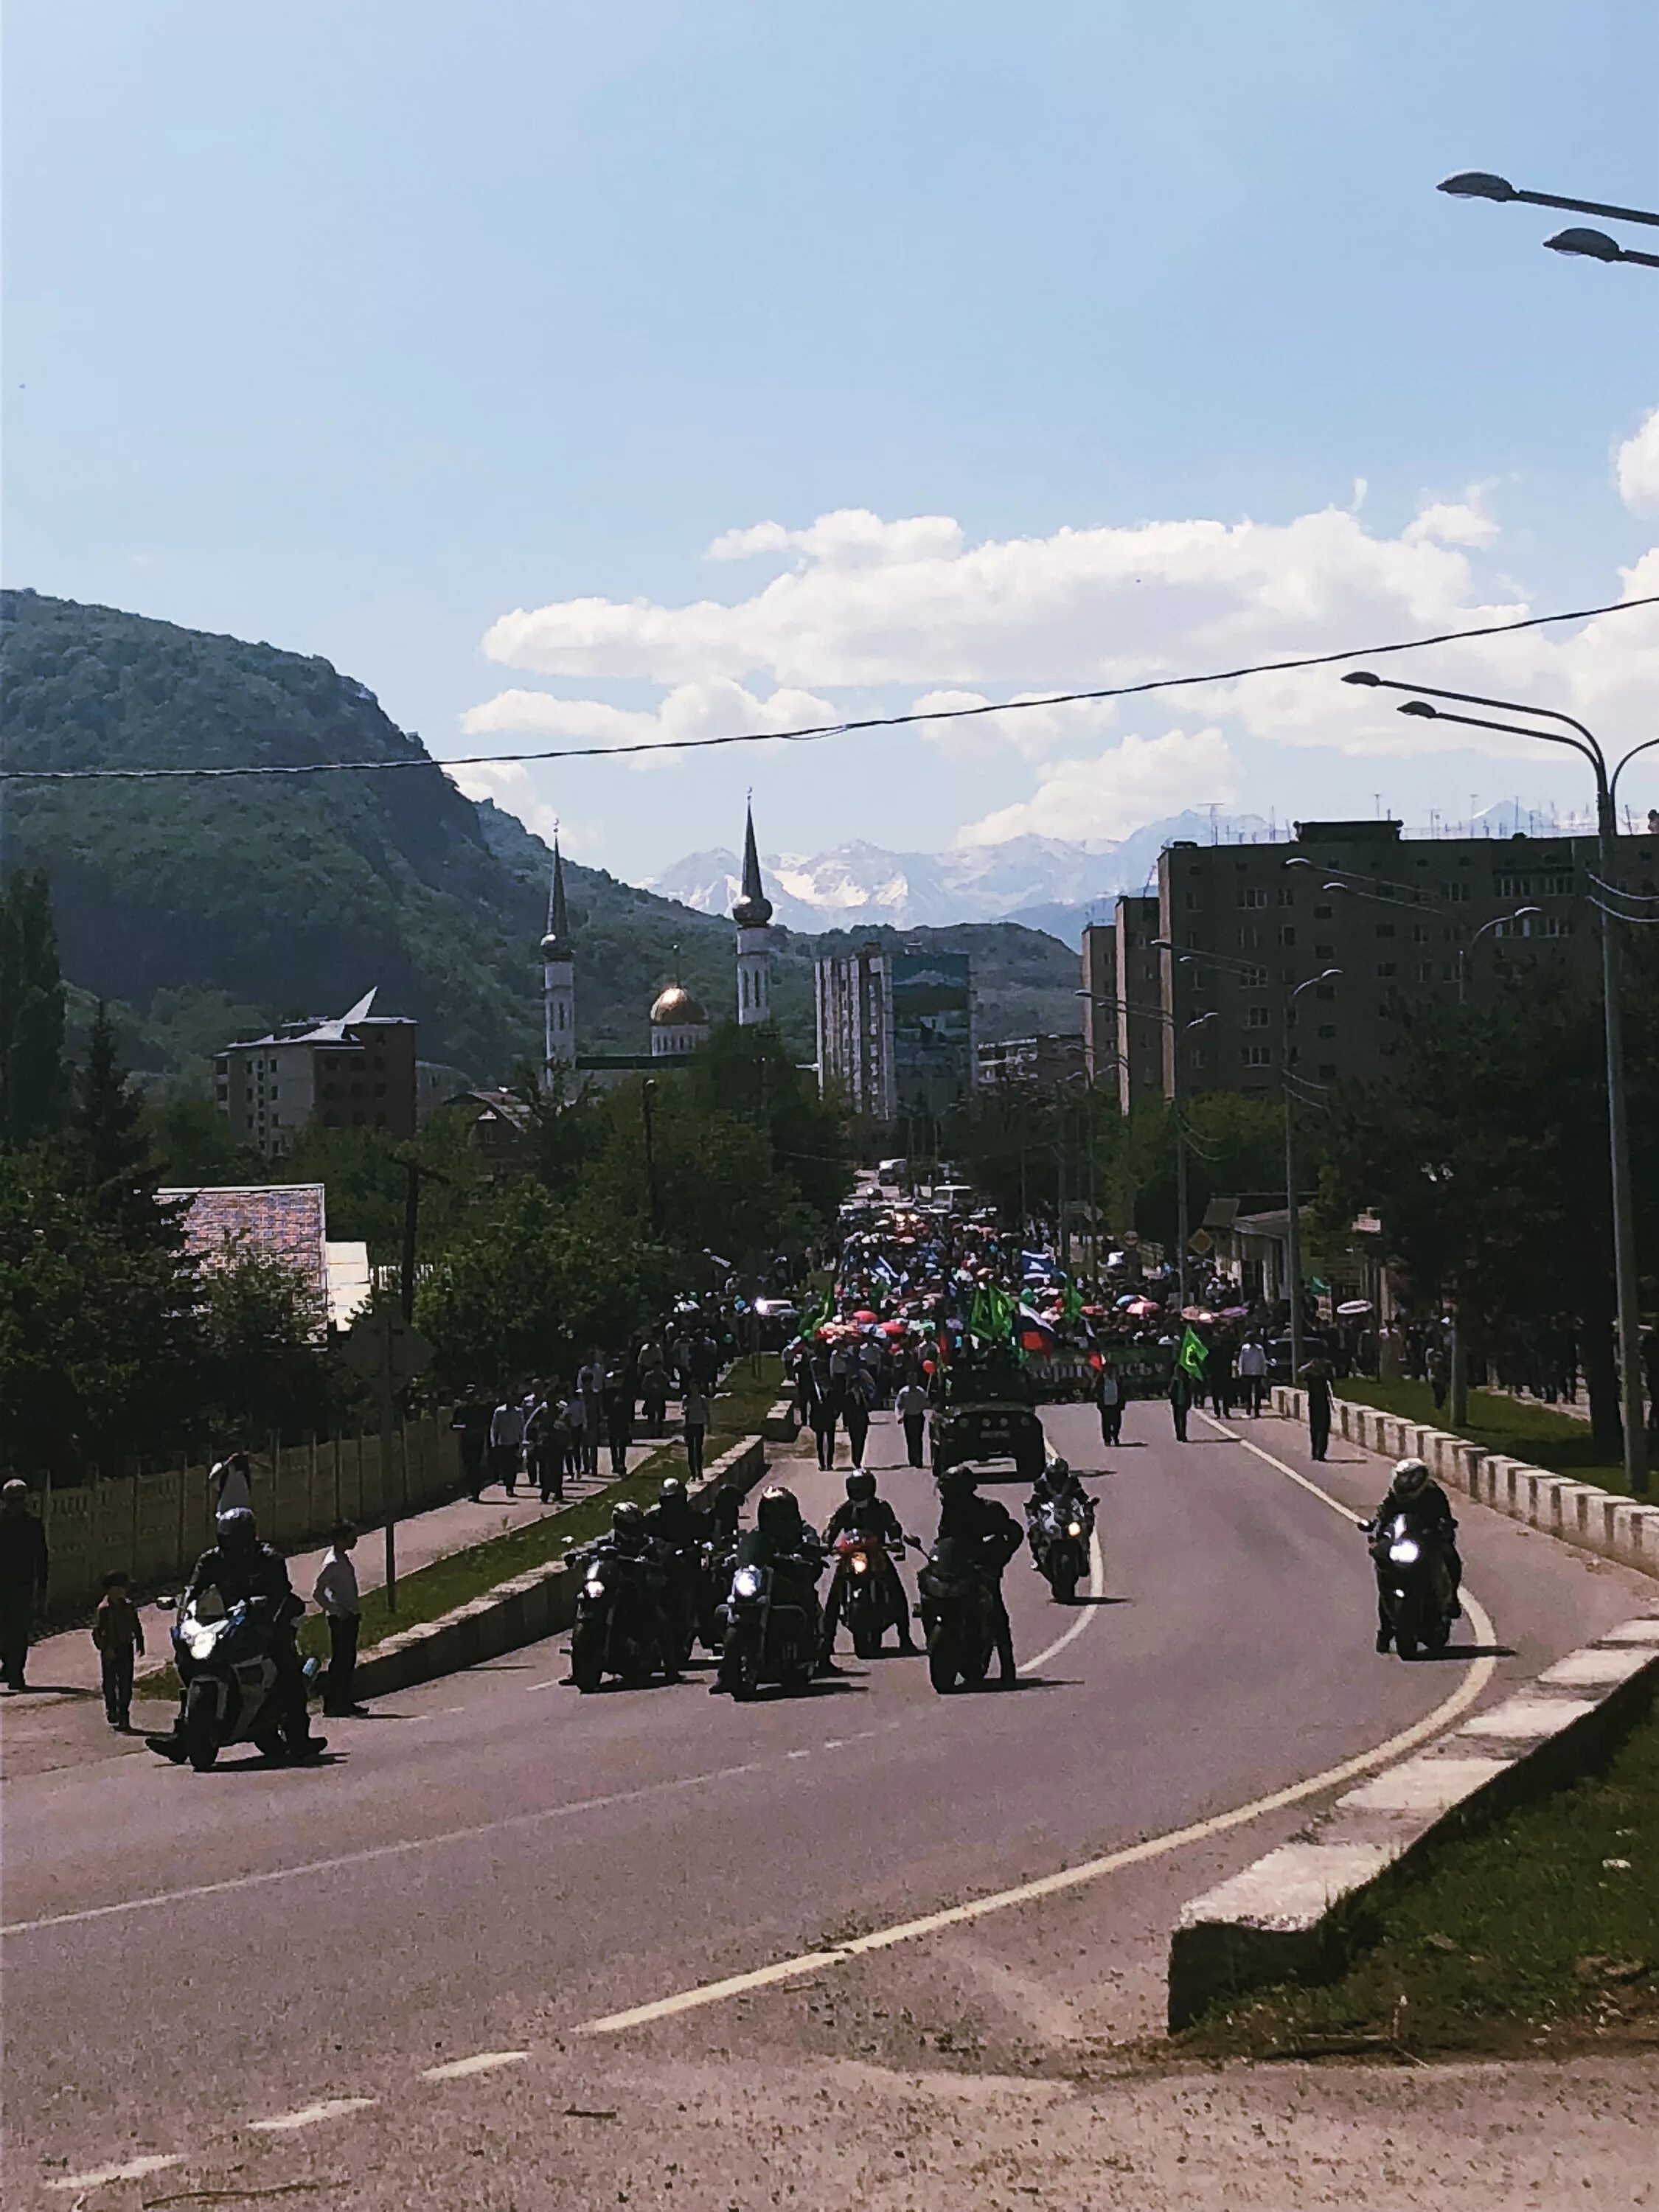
(676, 1009)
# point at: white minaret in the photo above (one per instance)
(558, 977)
(752, 912)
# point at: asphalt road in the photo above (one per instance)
(494, 1864)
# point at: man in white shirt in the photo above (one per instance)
(911, 1407)
(336, 1592)
(506, 1438)
(1251, 1367)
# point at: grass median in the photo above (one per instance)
(1514, 1428)
(743, 1402)
(1539, 1935)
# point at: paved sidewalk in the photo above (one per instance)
(59, 1721)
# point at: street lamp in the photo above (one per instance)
(1592, 244)
(1586, 744)
(1157, 1014)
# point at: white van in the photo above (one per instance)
(893, 1175)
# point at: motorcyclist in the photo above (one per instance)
(675, 1528)
(990, 1534)
(783, 1542)
(1411, 1490)
(239, 1568)
(866, 1513)
(630, 1540)
(1058, 1485)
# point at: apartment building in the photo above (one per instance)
(896, 1030)
(356, 1072)
(1123, 1006)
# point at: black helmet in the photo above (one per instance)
(1410, 1476)
(861, 1486)
(237, 1529)
(672, 1490)
(958, 1482)
(778, 1513)
(628, 1526)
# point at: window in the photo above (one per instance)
(1324, 952)
(1287, 894)
(1554, 925)
(1323, 913)
(1257, 1055)
(1456, 893)
(1385, 968)
(1425, 972)
(1385, 929)
(1287, 936)
(1327, 1071)
(1420, 934)
(1327, 1028)
(1250, 939)
(1192, 902)
(1324, 990)
(1253, 897)
(1258, 1017)
(1198, 1060)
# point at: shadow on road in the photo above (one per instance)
(1469, 1651)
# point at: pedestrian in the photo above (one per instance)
(1253, 1374)
(1219, 1374)
(232, 1484)
(856, 1393)
(911, 1407)
(1182, 1394)
(591, 1383)
(506, 1439)
(23, 1564)
(695, 1408)
(1316, 1379)
(1439, 1374)
(1109, 1396)
(336, 1592)
(653, 1396)
(543, 1450)
(575, 1434)
(617, 1406)
(471, 1422)
(117, 1631)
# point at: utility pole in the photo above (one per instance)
(647, 1102)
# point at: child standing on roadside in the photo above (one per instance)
(117, 1631)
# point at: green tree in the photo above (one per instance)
(748, 1075)
(109, 1139)
(34, 1085)
(195, 1142)
(265, 1368)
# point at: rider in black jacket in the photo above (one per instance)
(866, 1514)
(239, 1566)
(990, 1531)
(1412, 1491)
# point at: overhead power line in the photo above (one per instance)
(812, 732)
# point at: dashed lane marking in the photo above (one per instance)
(1480, 1672)
(310, 2116)
(482, 2062)
(135, 2169)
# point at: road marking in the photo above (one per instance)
(1480, 1672)
(135, 2169)
(309, 2116)
(1097, 1588)
(483, 2062)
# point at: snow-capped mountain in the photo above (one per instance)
(1044, 879)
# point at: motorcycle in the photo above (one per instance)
(768, 1634)
(957, 1616)
(1416, 1586)
(615, 1630)
(683, 1596)
(1059, 1531)
(228, 1668)
(864, 1589)
(716, 1564)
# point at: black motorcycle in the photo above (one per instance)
(1059, 1531)
(768, 1633)
(1414, 1581)
(959, 1616)
(715, 1566)
(617, 1608)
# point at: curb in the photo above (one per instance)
(780, 1425)
(1579, 1513)
(522, 1611)
(1292, 1915)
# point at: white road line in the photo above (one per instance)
(309, 2116)
(1480, 1673)
(1097, 1588)
(482, 2062)
(135, 2169)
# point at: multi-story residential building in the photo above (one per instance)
(1122, 1003)
(1041, 1063)
(357, 1072)
(896, 1030)
(1405, 921)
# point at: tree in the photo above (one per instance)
(748, 1074)
(34, 1089)
(109, 1147)
(264, 1334)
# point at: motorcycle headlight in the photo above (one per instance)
(1404, 1552)
(860, 1564)
(595, 1587)
(1075, 1528)
(746, 1583)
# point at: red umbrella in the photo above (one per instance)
(864, 1313)
(895, 1328)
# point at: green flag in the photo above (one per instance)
(1071, 1306)
(1194, 1355)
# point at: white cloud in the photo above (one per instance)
(1109, 796)
(508, 783)
(1033, 730)
(1638, 468)
(1463, 522)
(716, 709)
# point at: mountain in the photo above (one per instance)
(204, 907)
(1043, 881)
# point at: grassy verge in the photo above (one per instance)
(431, 1591)
(1510, 1427)
(1539, 1934)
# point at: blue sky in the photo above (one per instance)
(361, 328)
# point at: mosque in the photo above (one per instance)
(679, 1021)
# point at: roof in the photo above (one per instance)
(282, 1221)
(753, 909)
(676, 1008)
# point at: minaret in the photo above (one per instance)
(752, 912)
(558, 976)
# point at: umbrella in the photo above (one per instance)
(1128, 1299)
(1141, 1307)
(1197, 1313)
(895, 1328)
(1352, 1307)
(864, 1313)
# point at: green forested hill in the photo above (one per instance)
(201, 906)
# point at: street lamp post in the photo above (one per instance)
(1591, 244)
(1157, 1014)
(1585, 743)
